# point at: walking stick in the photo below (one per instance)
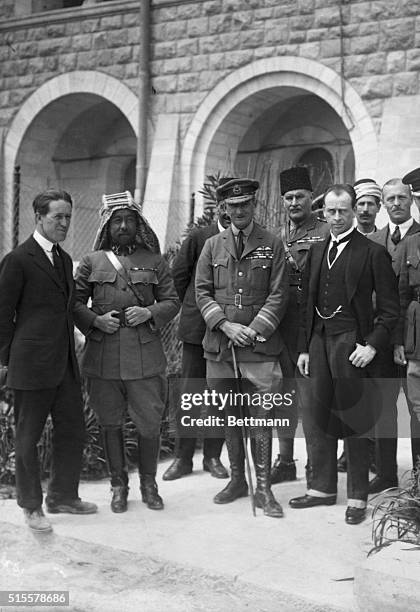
(243, 428)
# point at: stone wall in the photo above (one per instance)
(197, 43)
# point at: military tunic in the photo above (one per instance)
(251, 290)
(131, 352)
(297, 245)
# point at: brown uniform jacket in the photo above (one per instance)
(252, 290)
(131, 352)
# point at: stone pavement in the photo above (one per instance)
(307, 558)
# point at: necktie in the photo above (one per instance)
(240, 244)
(332, 254)
(59, 266)
(396, 236)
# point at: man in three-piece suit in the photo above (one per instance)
(397, 199)
(242, 290)
(37, 347)
(191, 331)
(340, 338)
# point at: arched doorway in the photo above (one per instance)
(265, 116)
(77, 132)
(80, 143)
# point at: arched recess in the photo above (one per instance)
(66, 97)
(255, 88)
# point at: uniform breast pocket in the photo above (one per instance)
(413, 266)
(220, 272)
(260, 273)
(102, 281)
(144, 282)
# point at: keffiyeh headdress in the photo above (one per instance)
(116, 201)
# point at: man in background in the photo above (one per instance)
(191, 331)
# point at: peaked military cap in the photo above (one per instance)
(413, 179)
(295, 178)
(237, 191)
(222, 181)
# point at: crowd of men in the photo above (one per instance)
(327, 306)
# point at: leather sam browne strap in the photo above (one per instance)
(123, 273)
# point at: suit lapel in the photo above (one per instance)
(41, 260)
(254, 241)
(356, 260)
(229, 242)
(68, 269)
(318, 251)
(414, 229)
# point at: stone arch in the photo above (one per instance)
(88, 82)
(264, 75)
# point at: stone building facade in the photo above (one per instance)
(238, 86)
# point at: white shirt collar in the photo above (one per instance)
(340, 237)
(404, 227)
(43, 242)
(220, 226)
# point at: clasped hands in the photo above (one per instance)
(134, 315)
(239, 334)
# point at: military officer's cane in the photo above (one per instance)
(243, 428)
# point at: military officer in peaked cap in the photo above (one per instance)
(241, 290)
(302, 229)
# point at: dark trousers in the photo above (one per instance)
(31, 409)
(339, 409)
(194, 367)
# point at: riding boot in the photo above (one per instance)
(148, 454)
(113, 441)
(237, 486)
(261, 452)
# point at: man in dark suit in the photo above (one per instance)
(37, 346)
(191, 332)
(397, 199)
(340, 338)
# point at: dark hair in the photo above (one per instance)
(41, 203)
(339, 188)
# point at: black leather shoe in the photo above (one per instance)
(354, 516)
(177, 469)
(72, 506)
(215, 467)
(233, 490)
(269, 504)
(149, 492)
(378, 484)
(342, 463)
(119, 499)
(282, 471)
(309, 501)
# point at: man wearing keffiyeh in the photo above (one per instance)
(133, 296)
